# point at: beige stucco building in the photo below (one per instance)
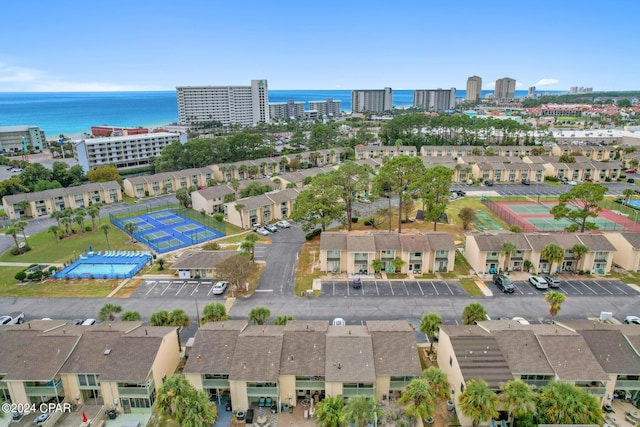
(263, 209)
(627, 254)
(167, 182)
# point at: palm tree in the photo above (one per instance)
(248, 247)
(56, 215)
(527, 265)
(13, 231)
(130, 316)
(24, 205)
(105, 229)
(418, 398)
(94, 212)
(518, 398)
(579, 250)
(508, 249)
(474, 313)
(552, 253)
(330, 412)
(214, 312)
(159, 318)
(130, 227)
(235, 184)
(360, 410)
(239, 207)
(22, 225)
(79, 219)
(397, 264)
(438, 382)
(178, 317)
(283, 319)
(183, 197)
(478, 402)
(564, 403)
(66, 221)
(259, 315)
(555, 300)
(107, 311)
(429, 326)
(54, 229)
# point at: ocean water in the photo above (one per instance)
(73, 113)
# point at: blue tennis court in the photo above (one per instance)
(165, 231)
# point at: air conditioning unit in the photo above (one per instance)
(605, 316)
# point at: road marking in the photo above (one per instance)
(263, 290)
(377, 290)
(183, 284)
(576, 289)
(420, 287)
(165, 289)
(333, 284)
(196, 289)
(603, 287)
(149, 291)
(391, 287)
(406, 290)
(450, 290)
(622, 290)
(435, 288)
(585, 285)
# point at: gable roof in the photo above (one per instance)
(612, 350)
(633, 239)
(349, 355)
(394, 349)
(480, 356)
(212, 351)
(61, 192)
(571, 358)
(257, 354)
(215, 192)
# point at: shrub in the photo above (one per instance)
(219, 217)
(202, 212)
(37, 275)
(53, 268)
(354, 219)
(211, 246)
(30, 276)
(32, 265)
(88, 228)
(369, 221)
(313, 234)
(15, 251)
(146, 193)
(20, 275)
(551, 178)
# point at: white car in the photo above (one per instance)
(632, 320)
(263, 231)
(283, 224)
(16, 170)
(89, 322)
(338, 321)
(521, 320)
(220, 287)
(538, 282)
(5, 320)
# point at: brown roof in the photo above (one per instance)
(90, 356)
(200, 259)
(441, 241)
(395, 353)
(361, 243)
(596, 242)
(571, 358)
(481, 357)
(386, 241)
(523, 353)
(349, 357)
(227, 325)
(333, 241)
(491, 242)
(612, 350)
(215, 192)
(131, 359)
(212, 351)
(257, 354)
(303, 352)
(283, 196)
(633, 239)
(22, 351)
(414, 243)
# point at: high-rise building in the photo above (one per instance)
(326, 108)
(372, 100)
(505, 88)
(286, 110)
(242, 105)
(474, 89)
(21, 138)
(435, 99)
(532, 92)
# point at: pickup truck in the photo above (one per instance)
(14, 318)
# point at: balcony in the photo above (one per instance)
(136, 391)
(262, 391)
(595, 391)
(309, 385)
(51, 389)
(628, 384)
(350, 391)
(361, 257)
(398, 384)
(215, 383)
(538, 383)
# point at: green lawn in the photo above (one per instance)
(45, 249)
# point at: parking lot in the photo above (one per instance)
(189, 288)
(571, 288)
(398, 288)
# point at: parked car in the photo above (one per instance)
(552, 281)
(629, 171)
(75, 322)
(15, 170)
(631, 181)
(283, 224)
(220, 287)
(632, 320)
(263, 231)
(4, 320)
(521, 320)
(488, 183)
(357, 283)
(503, 283)
(17, 317)
(525, 181)
(538, 282)
(271, 228)
(338, 321)
(89, 322)
(572, 183)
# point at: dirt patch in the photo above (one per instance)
(128, 289)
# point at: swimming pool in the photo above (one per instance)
(106, 265)
(634, 203)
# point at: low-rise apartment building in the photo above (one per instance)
(380, 151)
(167, 182)
(263, 209)
(303, 360)
(43, 203)
(124, 152)
(354, 253)
(627, 254)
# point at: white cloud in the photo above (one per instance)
(546, 82)
(17, 74)
(61, 86)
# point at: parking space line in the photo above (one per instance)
(333, 286)
(391, 287)
(448, 287)
(622, 290)
(420, 287)
(183, 284)
(154, 285)
(377, 290)
(585, 285)
(435, 288)
(196, 289)
(406, 290)
(165, 289)
(603, 287)
(348, 290)
(576, 289)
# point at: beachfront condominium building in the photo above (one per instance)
(474, 89)
(289, 110)
(532, 92)
(240, 105)
(124, 152)
(326, 108)
(505, 88)
(21, 138)
(435, 99)
(372, 101)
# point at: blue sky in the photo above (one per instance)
(94, 45)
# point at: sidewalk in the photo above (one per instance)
(27, 264)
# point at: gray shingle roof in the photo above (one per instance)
(349, 357)
(333, 241)
(414, 243)
(212, 352)
(361, 243)
(613, 351)
(571, 358)
(61, 192)
(596, 242)
(633, 239)
(257, 354)
(481, 357)
(523, 353)
(215, 192)
(440, 241)
(386, 241)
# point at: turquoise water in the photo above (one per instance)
(73, 113)
(101, 269)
